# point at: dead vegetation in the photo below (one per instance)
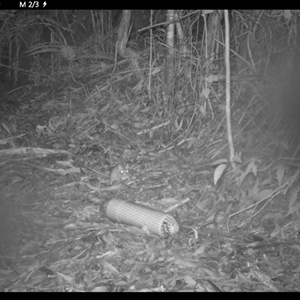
(83, 109)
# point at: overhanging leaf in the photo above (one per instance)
(205, 92)
(219, 172)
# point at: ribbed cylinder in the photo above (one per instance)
(129, 213)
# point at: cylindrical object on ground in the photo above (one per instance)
(156, 222)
